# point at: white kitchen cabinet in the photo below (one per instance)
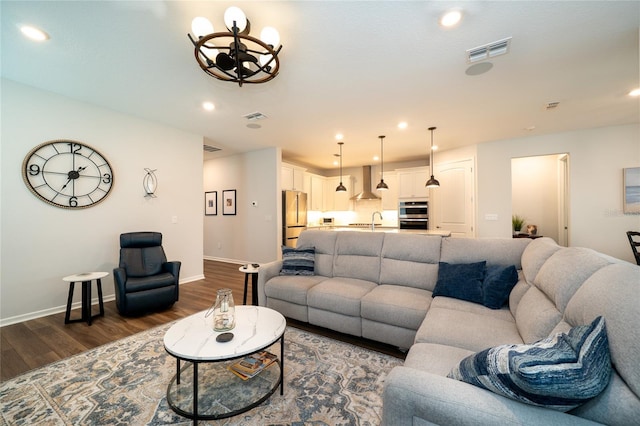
(315, 197)
(411, 182)
(390, 196)
(338, 201)
(292, 177)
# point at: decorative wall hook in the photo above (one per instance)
(150, 183)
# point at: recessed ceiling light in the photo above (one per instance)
(34, 33)
(635, 92)
(376, 158)
(209, 106)
(339, 136)
(451, 18)
(402, 125)
(435, 147)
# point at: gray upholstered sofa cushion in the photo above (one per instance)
(410, 260)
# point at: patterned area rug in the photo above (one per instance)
(327, 382)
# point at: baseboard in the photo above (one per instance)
(225, 260)
(51, 311)
(191, 279)
(63, 308)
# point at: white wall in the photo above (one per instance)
(597, 157)
(41, 243)
(253, 234)
(535, 192)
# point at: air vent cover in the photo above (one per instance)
(255, 116)
(489, 50)
(210, 148)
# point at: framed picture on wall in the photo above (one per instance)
(211, 203)
(229, 202)
(632, 190)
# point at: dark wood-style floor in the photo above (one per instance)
(35, 343)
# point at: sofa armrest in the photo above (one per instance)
(119, 282)
(265, 273)
(173, 268)
(410, 393)
(120, 279)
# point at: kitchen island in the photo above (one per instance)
(380, 228)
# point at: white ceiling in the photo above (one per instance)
(352, 67)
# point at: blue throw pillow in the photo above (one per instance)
(497, 285)
(298, 261)
(559, 372)
(461, 281)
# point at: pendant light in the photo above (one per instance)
(341, 187)
(382, 186)
(432, 182)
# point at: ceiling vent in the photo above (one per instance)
(489, 50)
(255, 116)
(209, 148)
(551, 105)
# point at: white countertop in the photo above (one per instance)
(389, 229)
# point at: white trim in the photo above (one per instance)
(225, 260)
(76, 305)
(51, 311)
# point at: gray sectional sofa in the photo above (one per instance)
(379, 286)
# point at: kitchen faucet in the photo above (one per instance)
(373, 225)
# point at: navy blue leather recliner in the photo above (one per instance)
(145, 281)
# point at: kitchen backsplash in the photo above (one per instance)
(362, 214)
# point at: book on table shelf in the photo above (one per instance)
(253, 364)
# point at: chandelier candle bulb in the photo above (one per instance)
(270, 36)
(235, 17)
(201, 26)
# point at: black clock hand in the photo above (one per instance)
(73, 174)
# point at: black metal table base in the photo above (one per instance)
(86, 302)
(196, 413)
(254, 288)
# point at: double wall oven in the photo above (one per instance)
(414, 214)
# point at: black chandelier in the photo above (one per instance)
(432, 182)
(382, 186)
(235, 55)
(341, 187)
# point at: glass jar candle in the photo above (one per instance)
(224, 312)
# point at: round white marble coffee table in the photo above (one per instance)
(223, 393)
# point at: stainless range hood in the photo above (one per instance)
(366, 193)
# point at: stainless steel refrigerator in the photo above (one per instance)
(294, 216)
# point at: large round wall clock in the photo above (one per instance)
(67, 174)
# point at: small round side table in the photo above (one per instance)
(85, 279)
(249, 269)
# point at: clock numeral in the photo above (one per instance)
(34, 170)
(73, 202)
(74, 147)
(106, 178)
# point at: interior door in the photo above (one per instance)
(452, 204)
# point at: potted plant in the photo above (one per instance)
(517, 222)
